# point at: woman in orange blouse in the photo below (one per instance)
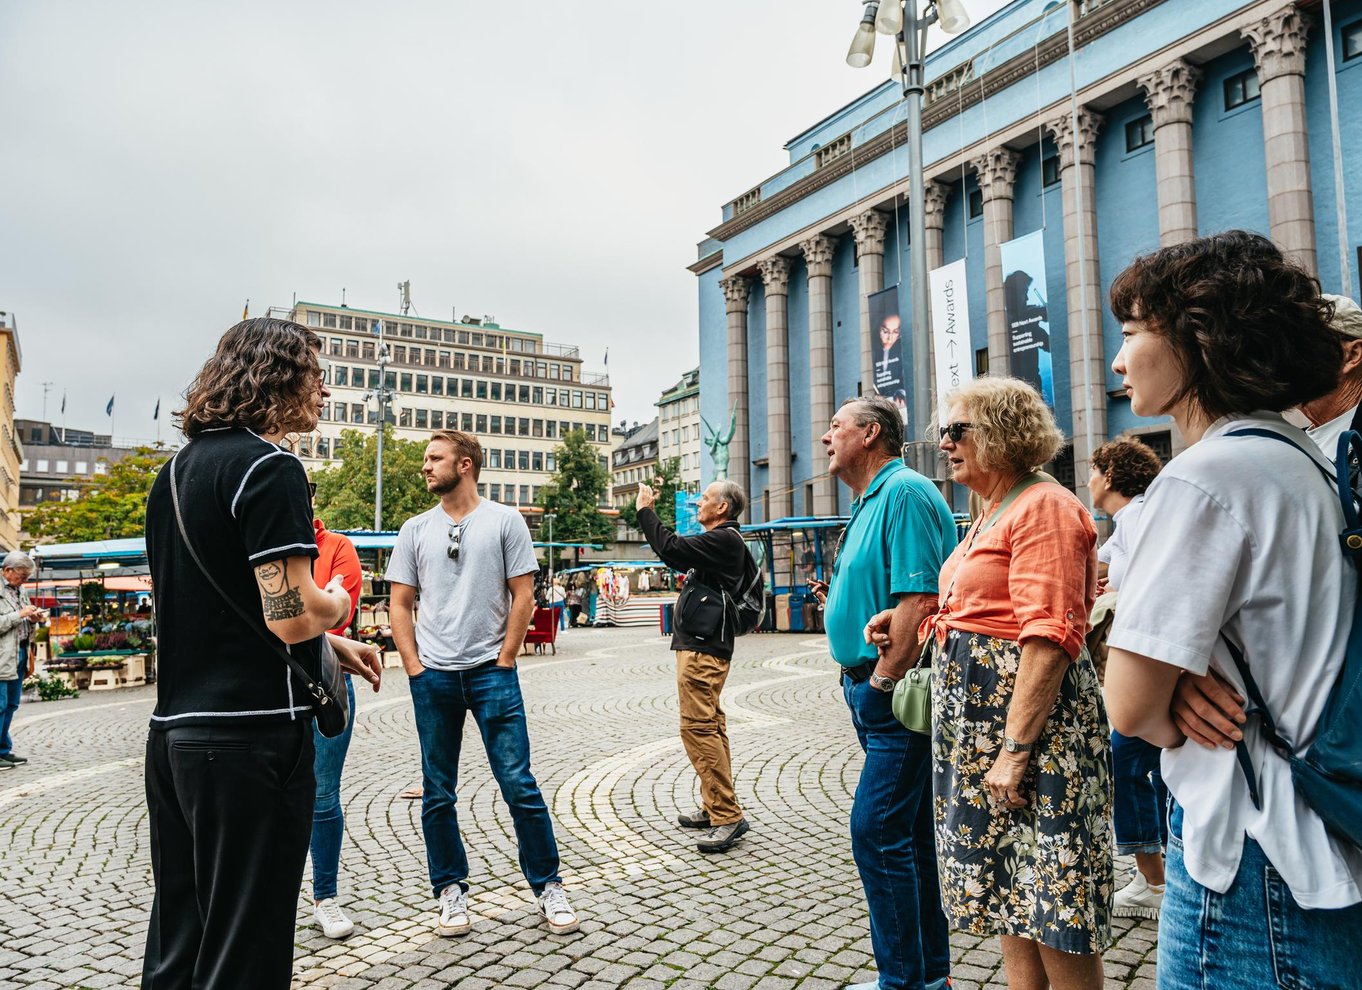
(1021, 754)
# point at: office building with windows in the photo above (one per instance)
(11, 449)
(678, 428)
(517, 393)
(1184, 119)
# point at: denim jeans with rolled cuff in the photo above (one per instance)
(1141, 800)
(442, 700)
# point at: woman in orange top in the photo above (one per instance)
(1021, 755)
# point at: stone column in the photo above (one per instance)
(822, 402)
(869, 228)
(997, 175)
(1278, 43)
(735, 305)
(1168, 93)
(1083, 284)
(775, 275)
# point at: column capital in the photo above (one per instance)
(775, 275)
(935, 195)
(818, 254)
(735, 293)
(1278, 43)
(869, 228)
(997, 171)
(1061, 129)
(1168, 92)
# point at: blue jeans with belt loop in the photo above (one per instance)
(1254, 936)
(442, 699)
(328, 819)
(893, 842)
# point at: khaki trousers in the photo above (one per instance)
(704, 732)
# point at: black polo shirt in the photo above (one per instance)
(245, 502)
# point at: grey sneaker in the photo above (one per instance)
(453, 912)
(555, 909)
(722, 837)
(699, 818)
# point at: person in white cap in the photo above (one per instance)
(1331, 414)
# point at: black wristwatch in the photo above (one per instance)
(885, 684)
(1012, 746)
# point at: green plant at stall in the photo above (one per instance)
(50, 688)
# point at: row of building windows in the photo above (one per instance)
(418, 331)
(475, 423)
(470, 388)
(489, 364)
(48, 466)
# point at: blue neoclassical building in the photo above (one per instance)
(1192, 117)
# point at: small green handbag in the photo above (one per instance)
(912, 700)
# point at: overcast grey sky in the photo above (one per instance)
(551, 164)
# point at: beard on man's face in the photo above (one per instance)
(437, 485)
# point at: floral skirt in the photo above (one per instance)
(1043, 872)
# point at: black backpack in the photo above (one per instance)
(748, 604)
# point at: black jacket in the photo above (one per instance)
(718, 558)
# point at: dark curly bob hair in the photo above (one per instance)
(264, 377)
(1129, 465)
(1248, 327)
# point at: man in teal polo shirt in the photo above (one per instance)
(900, 534)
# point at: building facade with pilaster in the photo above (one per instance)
(1190, 118)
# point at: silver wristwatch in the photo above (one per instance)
(1012, 746)
(885, 684)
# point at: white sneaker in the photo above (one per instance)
(454, 912)
(331, 919)
(555, 909)
(1138, 899)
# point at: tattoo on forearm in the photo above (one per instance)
(280, 601)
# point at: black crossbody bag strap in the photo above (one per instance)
(319, 696)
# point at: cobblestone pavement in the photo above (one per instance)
(783, 910)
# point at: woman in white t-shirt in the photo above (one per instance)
(1239, 544)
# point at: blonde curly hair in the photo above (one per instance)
(1014, 430)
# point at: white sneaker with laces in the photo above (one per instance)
(555, 909)
(1138, 899)
(454, 918)
(331, 919)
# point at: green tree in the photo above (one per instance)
(667, 483)
(345, 492)
(575, 494)
(112, 507)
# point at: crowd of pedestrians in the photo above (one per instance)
(1224, 575)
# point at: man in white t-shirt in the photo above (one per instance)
(474, 564)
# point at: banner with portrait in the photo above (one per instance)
(950, 331)
(1027, 311)
(886, 348)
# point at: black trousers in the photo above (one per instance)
(231, 815)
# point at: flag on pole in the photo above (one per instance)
(108, 410)
(246, 310)
(63, 403)
(157, 413)
(607, 357)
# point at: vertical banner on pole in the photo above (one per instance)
(950, 331)
(1028, 315)
(886, 347)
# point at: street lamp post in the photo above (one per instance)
(908, 25)
(548, 518)
(383, 394)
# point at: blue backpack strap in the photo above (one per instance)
(1349, 443)
(1259, 707)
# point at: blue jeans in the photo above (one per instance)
(894, 845)
(1252, 937)
(328, 820)
(1141, 797)
(10, 693)
(491, 694)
